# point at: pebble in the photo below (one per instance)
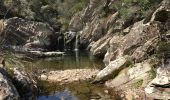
(106, 91)
(43, 77)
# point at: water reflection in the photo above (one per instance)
(77, 58)
(65, 95)
(72, 60)
(75, 91)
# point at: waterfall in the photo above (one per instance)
(76, 43)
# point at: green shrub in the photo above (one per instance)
(138, 83)
(152, 73)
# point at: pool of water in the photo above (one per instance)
(83, 90)
(71, 60)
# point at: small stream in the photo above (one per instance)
(82, 90)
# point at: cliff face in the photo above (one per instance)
(104, 30)
(134, 29)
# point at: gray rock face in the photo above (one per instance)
(138, 43)
(20, 32)
(7, 89)
(100, 47)
(112, 51)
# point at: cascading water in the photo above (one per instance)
(76, 49)
(76, 43)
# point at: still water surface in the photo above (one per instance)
(71, 60)
(72, 91)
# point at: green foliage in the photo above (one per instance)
(131, 65)
(138, 83)
(163, 49)
(12, 61)
(152, 73)
(76, 8)
(123, 6)
(65, 22)
(68, 8)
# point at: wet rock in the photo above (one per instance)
(7, 89)
(25, 85)
(113, 68)
(45, 54)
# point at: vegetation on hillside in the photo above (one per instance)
(124, 6)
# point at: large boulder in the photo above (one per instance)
(113, 68)
(22, 32)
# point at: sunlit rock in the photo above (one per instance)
(113, 68)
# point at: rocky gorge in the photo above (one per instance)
(130, 36)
